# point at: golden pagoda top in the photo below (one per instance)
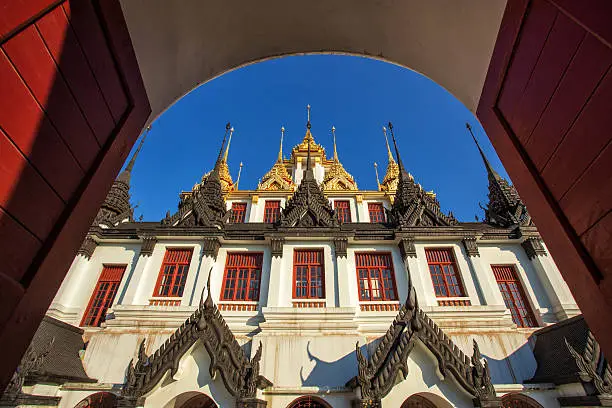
(336, 177)
(227, 184)
(277, 178)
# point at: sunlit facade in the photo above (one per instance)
(283, 296)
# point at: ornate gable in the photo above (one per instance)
(239, 374)
(413, 206)
(378, 373)
(336, 177)
(505, 207)
(308, 207)
(206, 205)
(278, 177)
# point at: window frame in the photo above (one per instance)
(112, 289)
(346, 210)
(526, 300)
(249, 279)
(382, 212)
(161, 274)
(265, 215)
(308, 278)
(381, 280)
(232, 219)
(457, 273)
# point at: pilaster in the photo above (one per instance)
(482, 272)
(557, 291)
(415, 273)
(251, 403)
(487, 402)
(367, 403)
(275, 281)
(342, 268)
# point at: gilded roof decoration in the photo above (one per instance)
(336, 177)
(277, 178)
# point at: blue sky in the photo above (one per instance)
(356, 95)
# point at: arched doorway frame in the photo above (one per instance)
(518, 400)
(101, 399)
(428, 400)
(309, 401)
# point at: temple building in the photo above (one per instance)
(309, 292)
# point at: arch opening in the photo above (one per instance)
(516, 400)
(308, 402)
(98, 400)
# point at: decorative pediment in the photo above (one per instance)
(378, 373)
(413, 206)
(239, 374)
(308, 207)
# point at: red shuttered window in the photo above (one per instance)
(271, 211)
(375, 276)
(238, 213)
(343, 210)
(377, 212)
(173, 273)
(514, 295)
(444, 272)
(242, 276)
(308, 278)
(103, 295)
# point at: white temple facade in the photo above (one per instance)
(308, 292)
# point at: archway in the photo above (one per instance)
(418, 401)
(309, 402)
(98, 400)
(69, 160)
(199, 401)
(516, 400)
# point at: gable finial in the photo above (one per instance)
(389, 155)
(308, 110)
(333, 129)
(130, 165)
(239, 173)
(376, 171)
(229, 140)
(490, 171)
(399, 159)
(280, 150)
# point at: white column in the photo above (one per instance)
(206, 263)
(275, 280)
(342, 276)
(130, 297)
(72, 282)
(486, 280)
(424, 290)
(557, 290)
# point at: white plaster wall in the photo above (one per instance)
(423, 376)
(514, 254)
(462, 263)
(352, 205)
(145, 283)
(218, 270)
(193, 375)
(401, 280)
(257, 209)
(249, 204)
(78, 287)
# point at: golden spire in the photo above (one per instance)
(376, 171)
(239, 173)
(228, 145)
(336, 177)
(316, 149)
(280, 150)
(390, 156)
(278, 177)
(335, 150)
(391, 179)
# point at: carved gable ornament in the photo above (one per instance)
(239, 374)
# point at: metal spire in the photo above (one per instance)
(490, 171)
(238, 179)
(215, 171)
(228, 145)
(308, 158)
(280, 150)
(333, 129)
(399, 159)
(308, 123)
(377, 179)
(390, 156)
(127, 172)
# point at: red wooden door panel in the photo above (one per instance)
(72, 105)
(546, 107)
